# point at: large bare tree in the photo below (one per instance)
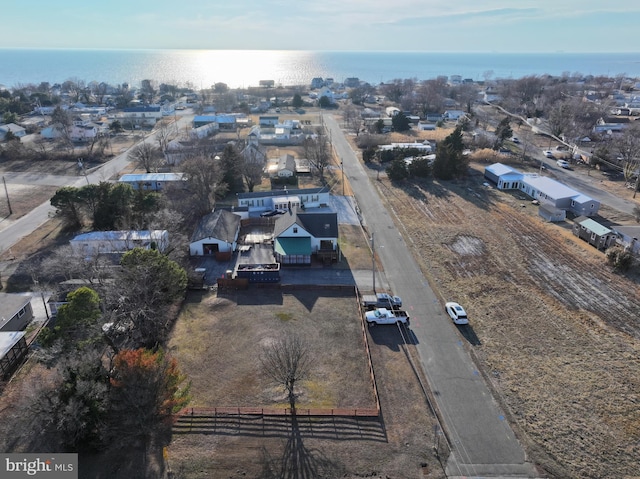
(287, 362)
(318, 151)
(145, 156)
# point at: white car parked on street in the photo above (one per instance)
(563, 164)
(457, 313)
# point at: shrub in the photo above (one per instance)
(619, 258)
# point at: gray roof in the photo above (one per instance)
(499, 169)
(221, 224)
(318, 225)
(10, 304)
(287, 192)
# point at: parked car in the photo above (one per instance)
(386, 316)
(563, 164)
(456, 313)
(548, 154)
(268, 214)
(515, 139)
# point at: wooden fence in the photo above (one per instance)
(318, 412)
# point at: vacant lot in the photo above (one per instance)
(218, 341)
(558, 330)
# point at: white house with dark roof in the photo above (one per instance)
(299, 235)
(216, 233)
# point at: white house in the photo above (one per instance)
(286, 166)
(553, 196)
(453, 115)
(298, 236)
(106, 242)
(216, 233)
(259, 201)
(326, 92)
(152, 181)
(141, 115)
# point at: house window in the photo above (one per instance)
(573, 203)
(21, 313)
(295, 229)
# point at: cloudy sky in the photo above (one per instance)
(397, 25)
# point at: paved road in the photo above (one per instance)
(483, 443)
(13, 232)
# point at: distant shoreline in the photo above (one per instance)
(245, 68)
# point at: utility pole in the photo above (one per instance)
(373, 263)
(6, 192)
(342, 168)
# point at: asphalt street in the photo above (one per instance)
(12, 233)
(483, 444)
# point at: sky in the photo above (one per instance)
(327, 25)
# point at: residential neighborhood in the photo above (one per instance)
(199, 226)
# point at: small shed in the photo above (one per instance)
(551, 213)
(13, 349)
(593, 232)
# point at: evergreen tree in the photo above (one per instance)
(397, 170)
(450, 162)
(231, 163)
(503, 131)
(400, 122)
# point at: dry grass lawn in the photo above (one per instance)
(218, 340)
(560, 340)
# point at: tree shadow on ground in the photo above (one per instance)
(299, 462)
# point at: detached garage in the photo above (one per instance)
(216, 234)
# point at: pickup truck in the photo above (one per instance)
(381, 300)
(386, 316)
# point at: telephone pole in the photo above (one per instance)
(6, 192)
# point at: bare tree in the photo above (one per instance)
(163, 136)
(430, 96)
(204, 181)
(287, 362)
(627, 148)
(351, 117)
(145, 156)
(252, 168)
(317, 151)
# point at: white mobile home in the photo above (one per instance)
(106, 242)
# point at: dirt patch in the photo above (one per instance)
(556, 327)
